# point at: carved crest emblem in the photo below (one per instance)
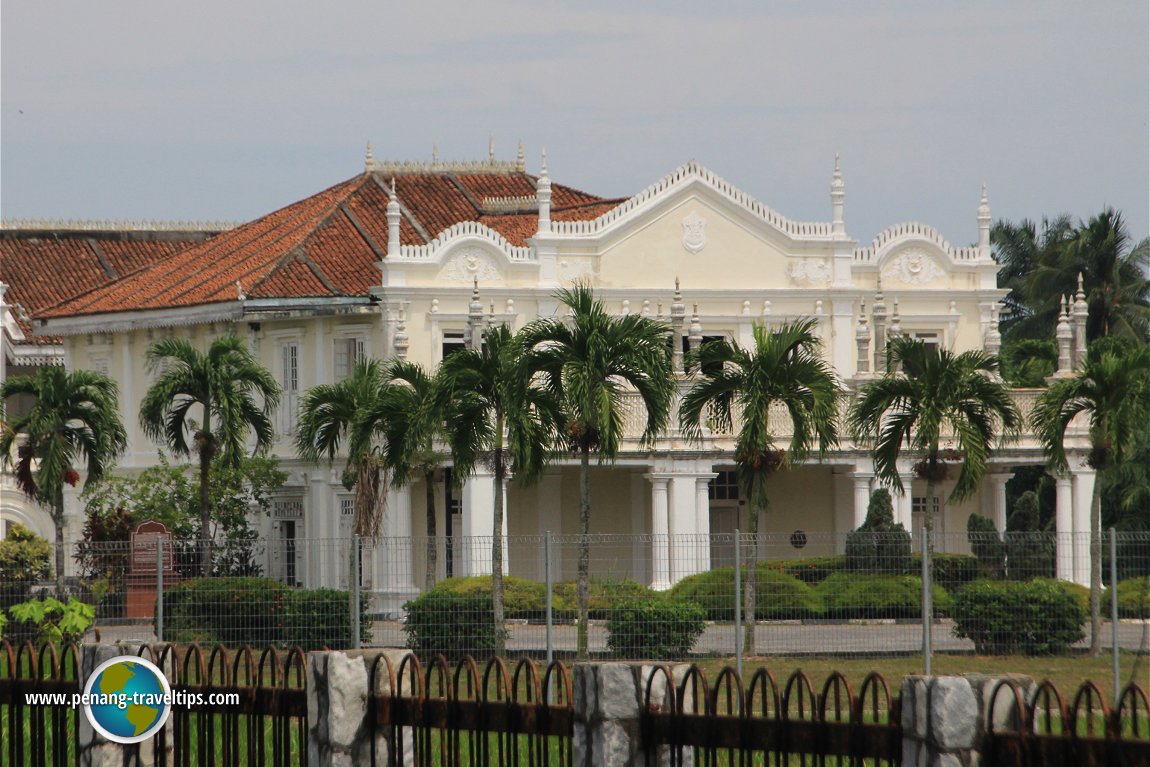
(694, 232)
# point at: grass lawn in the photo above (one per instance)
(1068, 672)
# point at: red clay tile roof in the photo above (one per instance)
(328, 245)
(45, 267)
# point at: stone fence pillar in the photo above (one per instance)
(945, 718)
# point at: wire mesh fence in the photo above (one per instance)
(648, 597)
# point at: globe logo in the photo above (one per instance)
(127, 699)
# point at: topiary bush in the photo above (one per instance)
(879, 545)
(605, 596)
(951, 571)
(1133, 598)
(658, 628)
(778, 595)
(521, 598)
(319, 618)
(1037, 617)
(987, 546)
(812, 570)
(849, 595)
(443, 621)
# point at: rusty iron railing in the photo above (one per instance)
(38, 735)
(694, 723)
(1041, 729)
(437, 714)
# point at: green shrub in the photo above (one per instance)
(1133, 598)
(778, 595)
(654, 628)
(521, 598)
(605, 595)
(24, 559)
(879, 545)
(442, 621)
(812, 570)
(951, 571)
(987, 547)
(319, 618)
(232, 611)
(1038, 617)
(850, 595)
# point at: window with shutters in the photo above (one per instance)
(349, 352)
(289, 383)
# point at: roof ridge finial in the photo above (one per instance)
(368, 159)
(491, 147)
(520, 160)
(391, 194)
(435, 154)
(543, 164)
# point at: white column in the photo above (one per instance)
(393, 558)
(862, 482)
(702, 548)
(998, 499)
(681, 526)
(1064, 527)
(1083, 496)
(660, 571)
(550, 499)
(503, 527)
(903, 506)
(315, 557)
(474, 552)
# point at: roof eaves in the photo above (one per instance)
(116, 322)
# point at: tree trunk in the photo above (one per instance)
(752, 566)
(584, 584)
(58, 519)
(205, 514)
(497, 540)
(1096, 567)
(432, 543)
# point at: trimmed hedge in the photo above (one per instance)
(454, 624)
(812, 570)
(1038, 617)
(1133, 598)
(259, 611)
(605, 596)
(526, 599)
(778, 595)
(951, 571)
(850, 595)
(655, 628)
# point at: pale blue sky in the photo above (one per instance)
(229, 110)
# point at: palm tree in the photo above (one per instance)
(328, 415)
(236, 396)
(591, 363)
(1112, 388)
(502, 416)
(414, 420)
(925, 391)
(75, 417)
(783, 368)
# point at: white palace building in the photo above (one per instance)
(404, 258)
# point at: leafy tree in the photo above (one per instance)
(986, 545)
(1112, 391)
(925, 391)
(235, 395)
(782, 368)
(414, 418)
(1028, 362)
(75, 418)
(880, 544)
(24, 559)
(505, 418)
(591, 361)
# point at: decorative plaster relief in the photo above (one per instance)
(469, 264)
(574, 271)
(694, 232)
(811, 271)
(913, 267)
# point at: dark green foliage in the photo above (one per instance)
(442, 621)
(880, 545)
(951, 571)
(778, 595)
(24, 559)
(528, 599)
(605, 595)
(655, 628)
(1038, 617)
(1029, 553)
(1026, 362)
(1133, 598)
(849, 595)
(986, 545)
(259, 611)
(812, 570)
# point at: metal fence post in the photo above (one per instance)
(550, 585)
(159, 588)
(1114, 615)
(927, 612)
(355, 596)
(738, 604)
